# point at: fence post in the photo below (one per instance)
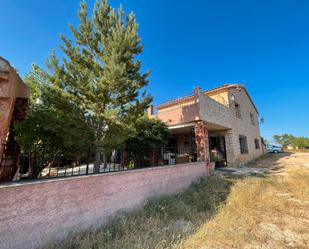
(87, 167)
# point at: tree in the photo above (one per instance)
(150, 133)
(56, 125)
(100, 74)
(284, 139)
(301, 142)
(265, 141)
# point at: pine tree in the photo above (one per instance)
(52, 126)
(100, 73)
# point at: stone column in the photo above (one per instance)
(229, 147)
(202, 143)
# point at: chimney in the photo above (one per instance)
(197, 90)
(150, 111)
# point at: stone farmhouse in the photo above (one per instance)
(221, 125)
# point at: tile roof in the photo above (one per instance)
(214, 90)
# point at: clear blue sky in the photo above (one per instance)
(262, 44)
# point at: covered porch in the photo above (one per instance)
(198, 140)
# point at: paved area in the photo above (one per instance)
(269, 163)
(240, 171)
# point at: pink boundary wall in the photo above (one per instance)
(33, 213)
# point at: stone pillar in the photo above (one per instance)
(202, 144)
(124, 159)
(229, 147)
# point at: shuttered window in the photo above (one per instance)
(243, 144)
(257, 143)
(237, 110)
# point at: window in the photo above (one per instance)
(252, 119)
(257, 143)
(237, 110)
(243, 144)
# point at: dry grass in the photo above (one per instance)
(270, 211)
(159, 224)
(297, 182)
(267, 212)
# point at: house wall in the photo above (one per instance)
(218, 110)
(33, 213)
(243, 126)
(213, 112)
(179, 114)
(221, 97)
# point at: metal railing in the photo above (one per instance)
(175, 100)
(40, 162)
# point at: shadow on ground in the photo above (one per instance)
(261, 167)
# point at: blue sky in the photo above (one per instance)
(262, 44)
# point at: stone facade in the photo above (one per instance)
(227, 111)
(244, 126)
(201, 140)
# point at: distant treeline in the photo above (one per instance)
(290, 140)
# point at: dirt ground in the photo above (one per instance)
(283, 161)
(268, 207)
(287, 169)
